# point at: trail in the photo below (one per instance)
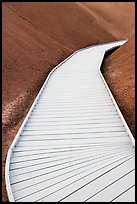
(74, 144)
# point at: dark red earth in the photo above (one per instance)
(37, 36)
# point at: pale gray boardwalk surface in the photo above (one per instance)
(73, 145)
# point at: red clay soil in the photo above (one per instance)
(37, 36)
(119, 72)
(120, 15)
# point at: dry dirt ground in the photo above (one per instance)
(37, 36)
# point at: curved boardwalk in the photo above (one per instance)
(74, 144)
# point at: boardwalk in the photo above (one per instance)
(74, 144)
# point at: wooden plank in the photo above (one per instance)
(74, 108)
(92, 118)
(127, 196)
(91, 110)
(78, 122)
(111, 177)
(54, 175)
(46, 154)
(73, 131)
(54, 167)
(73, 149)
(94, 140)
(33, 165)
(109, 192)
(81, 126)
(58, 191)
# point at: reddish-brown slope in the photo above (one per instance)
(36, 37)
(119, 14)
(120, 67)
(67, 23)
(119, 71)
(27, 56)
